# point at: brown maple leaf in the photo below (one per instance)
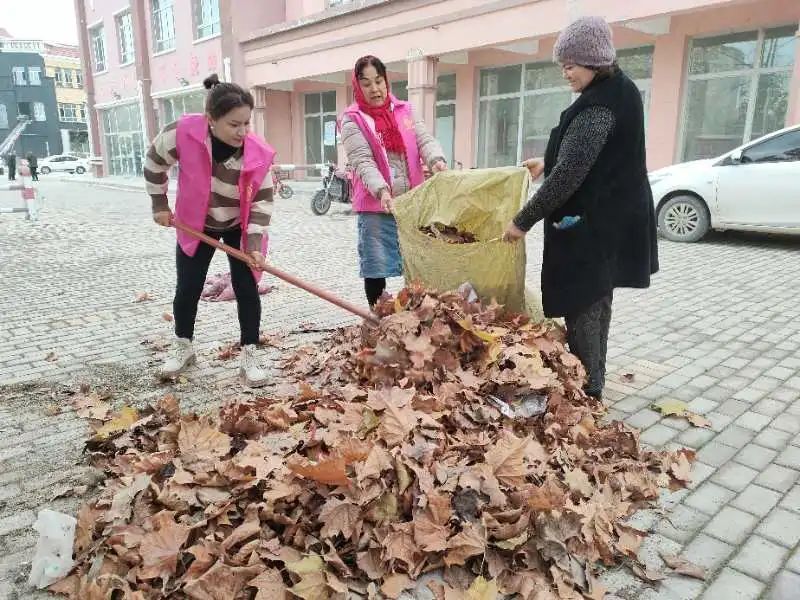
(471, 541)
(399, 545)
(684, 567)
(269, 586)
(221, 582)
(201, 442)
(160, 548)
(507, 459)
(394, 585)
(250, 527)
(330, 471)
(339, 516)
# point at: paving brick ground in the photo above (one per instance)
(720, 329)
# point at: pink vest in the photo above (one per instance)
(363, 200)
(194, 179)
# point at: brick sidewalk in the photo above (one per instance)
(719, 329)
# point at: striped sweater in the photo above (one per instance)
(223, 206)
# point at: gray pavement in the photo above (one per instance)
(720, 329)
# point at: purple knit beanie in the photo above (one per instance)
(586, 42)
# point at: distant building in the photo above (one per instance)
(63, 64)
(25, 89)
(39, 71)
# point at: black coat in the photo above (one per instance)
(33, 162)
(614, 244)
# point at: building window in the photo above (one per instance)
(163, 25)
(446, 115)
(35, 75)
(320, 127)
(737, 90)
(38, 112)
(206, 18)
(78, 83)
(400, 90)
(124, 23)
(332, 3)
(124, 145)
(3, 117)
(18, 73)
(70, 113)
(176, 106)
(98, 43)
(519, 105)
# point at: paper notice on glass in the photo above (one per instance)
(329, 134)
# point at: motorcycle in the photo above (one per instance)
(282, 189)
(336, 187)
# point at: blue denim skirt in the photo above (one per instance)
(378, 246)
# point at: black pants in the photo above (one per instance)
(374, 287)
(192, 272)
(587, 336)
(35, 173)
(12, 172)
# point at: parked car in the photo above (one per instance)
(63, 162)
(755, 187)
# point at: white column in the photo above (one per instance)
(422, 76)
(66, 146)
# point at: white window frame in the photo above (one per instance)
(78, 81)
(162, 17)
(18, 75)
(97, 40)
(754, 73)
(38, 110)
(34, 76)
(198, 9)
(334, 3)
(123, 21)
(70, 113)
(520, 95)
(3, 116)
(320, 114)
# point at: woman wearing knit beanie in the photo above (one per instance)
(595, 201)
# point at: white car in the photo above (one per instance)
(755, 187)
(63, 162)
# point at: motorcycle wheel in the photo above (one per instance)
(320, 203)
(286, 192)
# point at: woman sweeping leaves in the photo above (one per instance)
(225, 189)
(385, 144)
(596, 202)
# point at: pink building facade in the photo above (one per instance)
(713, 73)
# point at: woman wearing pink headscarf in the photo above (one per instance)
(386, 146)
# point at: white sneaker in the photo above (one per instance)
(180, 356)
(251, 371)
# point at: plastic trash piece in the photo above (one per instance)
(532, 405)
(52, 559)
(468, 291)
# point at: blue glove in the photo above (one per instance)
(567, 222)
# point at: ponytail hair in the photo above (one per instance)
(223, 97)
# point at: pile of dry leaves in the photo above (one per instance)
(389, 459)
(449, 234)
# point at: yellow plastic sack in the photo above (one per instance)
(478, 201)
